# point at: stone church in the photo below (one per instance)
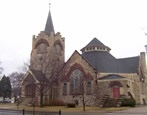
(91, 75)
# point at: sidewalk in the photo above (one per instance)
(85, 113)
(65, 110)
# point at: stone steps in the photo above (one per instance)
(103, 100)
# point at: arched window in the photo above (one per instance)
(30, 90)
(76, 82)
(41, 48)
(58, 49)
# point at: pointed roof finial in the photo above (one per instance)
(49, 6)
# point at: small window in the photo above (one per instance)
(64, 88)
(88, 88)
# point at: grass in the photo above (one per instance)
(62, 108)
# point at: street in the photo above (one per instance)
(22, 112)
(132, 111)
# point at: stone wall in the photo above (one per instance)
(68, 98)
(131, 83)
(47, 53)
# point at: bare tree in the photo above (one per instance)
(84, 91)
(85, 87)
(25, 67)
(16, 79)
(52, 80)
(46, 84)
(41, 88)
(80, 89)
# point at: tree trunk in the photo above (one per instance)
(41, 100)
(83, 102)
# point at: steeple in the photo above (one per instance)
(49, 24)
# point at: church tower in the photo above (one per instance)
(48, 49)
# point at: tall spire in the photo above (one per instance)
(49, 24)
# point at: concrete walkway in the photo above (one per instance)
(83, 113)
(131, 111)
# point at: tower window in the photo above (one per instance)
(58, 49)
(41, 48)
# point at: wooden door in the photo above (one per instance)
(116, 92)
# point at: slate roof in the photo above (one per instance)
(95, 43)
(49, 25)
(129, 65)
(103, 61)
(39, 75)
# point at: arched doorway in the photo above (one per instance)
(115, 85)
(116, 92)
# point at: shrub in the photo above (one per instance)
(71, 105)
(128, 102)
(56, 103)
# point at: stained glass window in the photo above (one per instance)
(76, 82)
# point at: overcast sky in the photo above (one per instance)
(119, 24)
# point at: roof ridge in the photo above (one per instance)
(127, 57)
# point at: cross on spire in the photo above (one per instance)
(49, 5)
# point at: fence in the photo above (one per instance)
(26, 112)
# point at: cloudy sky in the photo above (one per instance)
(119, 24)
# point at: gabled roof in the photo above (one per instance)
(39, 75)
(34, 76)
(76, 52)
(49, 25)
(68, 61)
(105, 62)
